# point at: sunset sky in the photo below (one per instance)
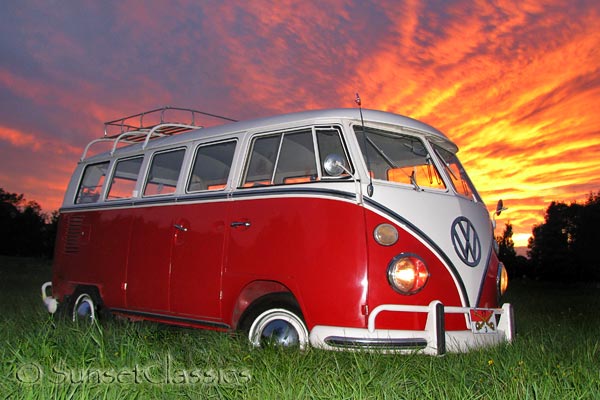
(515, 84)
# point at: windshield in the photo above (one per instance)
(460, 180)
(398, 158)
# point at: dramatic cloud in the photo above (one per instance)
(515, 85)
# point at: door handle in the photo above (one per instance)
(180, 227)
(237, 224)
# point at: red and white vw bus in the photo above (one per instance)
(318, 227)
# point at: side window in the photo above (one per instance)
(296, 162)
(124, 179)
(284, 158)
(262, 161)
(90, 187)
(330, 143)
(164, 173)
(211, 167)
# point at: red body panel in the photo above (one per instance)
(314, 247)
(148, 268)
(92, 248)
(440, 285)
(197, 260)
(206, 261)
(489, 293)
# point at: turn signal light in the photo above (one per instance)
(502, 279)
(385, 234)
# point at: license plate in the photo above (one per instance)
(483, 321)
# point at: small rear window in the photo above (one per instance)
(90, 187)
(124, 179)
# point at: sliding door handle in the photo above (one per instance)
(180, 227)
(237, 224)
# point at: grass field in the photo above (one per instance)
(556, 356)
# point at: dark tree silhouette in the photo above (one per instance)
(24, 229)
(562, 248)
(506, 250)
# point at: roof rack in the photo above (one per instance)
(148, 125)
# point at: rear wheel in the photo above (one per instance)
(84, 309)
(276, 320)
(85, 306)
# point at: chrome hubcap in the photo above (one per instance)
(280, 333)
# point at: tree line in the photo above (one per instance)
(24, 229)
(562, 248)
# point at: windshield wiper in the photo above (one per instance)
(391, 163)
(382, 153)
(413, 180)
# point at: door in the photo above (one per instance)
(199, 242)
(153, 235)
(294, 224)
(149, 259)
(197, 260)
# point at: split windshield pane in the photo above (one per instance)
(454, 169)
(398, 158)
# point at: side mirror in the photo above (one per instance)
(334, 165)
(500, 207)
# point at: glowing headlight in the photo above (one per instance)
(385, 234)
(502, 279)
(407, 274)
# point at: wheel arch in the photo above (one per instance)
(94, 292)
(256, 293)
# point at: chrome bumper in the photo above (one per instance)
(434, 339)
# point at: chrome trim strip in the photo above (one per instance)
(407, 343)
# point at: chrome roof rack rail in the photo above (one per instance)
(133, 129)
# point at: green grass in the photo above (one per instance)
(556, 356)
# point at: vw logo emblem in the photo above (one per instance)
(466, 242)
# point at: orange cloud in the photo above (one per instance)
(515, 95)
(515, 85)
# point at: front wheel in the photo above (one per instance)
(279, 324)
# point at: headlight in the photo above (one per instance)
(407, 274)
(502, 279)
(385, 234)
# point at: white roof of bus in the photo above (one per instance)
(297, 118)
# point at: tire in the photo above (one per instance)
(84, 306)
(276, 320)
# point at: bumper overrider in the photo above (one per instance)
(50, 302)
(489, 326)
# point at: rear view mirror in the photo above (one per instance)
(334, 165)
(500, 207)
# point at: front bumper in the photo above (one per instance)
(434, 339)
